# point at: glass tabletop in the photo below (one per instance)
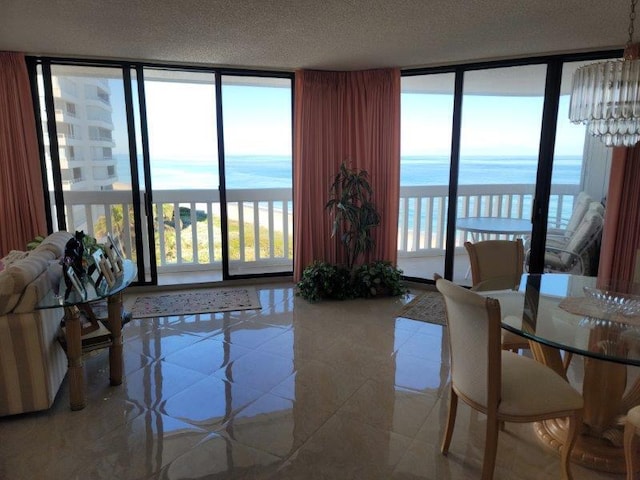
(568, 312)
(53, 300)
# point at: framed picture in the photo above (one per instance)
(76, 283)
(96, 274)
(114, 254)
(107, 270)
(116, 245)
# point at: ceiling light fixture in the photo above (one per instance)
(605, 96)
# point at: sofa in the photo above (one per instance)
(32, 363)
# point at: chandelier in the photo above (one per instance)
(605, 96)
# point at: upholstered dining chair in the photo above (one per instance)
(631, 442)
(498, 265)
(506, 387)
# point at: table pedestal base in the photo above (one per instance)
(591, 452)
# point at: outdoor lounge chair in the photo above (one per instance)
(576, 253)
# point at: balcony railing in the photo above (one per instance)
(265, 221)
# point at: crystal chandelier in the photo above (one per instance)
(605, 96)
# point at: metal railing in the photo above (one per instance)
(188, 232)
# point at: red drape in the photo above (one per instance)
(22, 211)
(344, 116)
(621, 236)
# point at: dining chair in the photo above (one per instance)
(506, 387)
(498, 265)
(631, 441)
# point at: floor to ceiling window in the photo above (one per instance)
(425, 125)
(140, 151)
(87, 138)
(499, 143)
(183, 163)
(482, 132)
(579, 184)
(256, 114)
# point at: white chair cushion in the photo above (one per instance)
(526, 385)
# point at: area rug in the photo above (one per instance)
(201, 301)
(426, 307)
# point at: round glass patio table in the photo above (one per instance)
(552, 311)
(481, 227)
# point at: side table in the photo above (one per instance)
(73, 330)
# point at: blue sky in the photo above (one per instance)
(257, 121)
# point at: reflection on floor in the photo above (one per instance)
(333, 390)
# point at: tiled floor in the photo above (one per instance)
(335, 390)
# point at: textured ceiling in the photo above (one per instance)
(330, 34)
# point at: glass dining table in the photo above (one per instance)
(599, 326)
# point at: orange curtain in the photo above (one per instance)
(621, 236)
(22, 210)
(344, 116)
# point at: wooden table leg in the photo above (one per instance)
(77, 396)
(115, 351)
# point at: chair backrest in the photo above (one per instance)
(473, 323)
(496, 264)
(580, 207)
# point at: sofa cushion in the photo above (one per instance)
(55, 243)
(8, 298)
(19, 275)
(39, 287)
(12, 257)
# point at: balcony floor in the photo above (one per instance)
(416, 267)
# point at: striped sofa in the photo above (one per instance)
(32, 363)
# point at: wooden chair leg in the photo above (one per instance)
(630, 449)
(451, 421)
(565, 454)
(490, 447)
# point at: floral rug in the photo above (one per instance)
(426, 307)
(201, 301)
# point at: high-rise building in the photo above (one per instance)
(84, 125)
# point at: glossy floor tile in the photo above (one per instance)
(333, 390)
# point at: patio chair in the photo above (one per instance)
(580, 207)
(498, 265)
(578, 252)
(631, 443)
(506, 387)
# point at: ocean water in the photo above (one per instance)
(275, 171)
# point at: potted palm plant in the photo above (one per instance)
(354, 216)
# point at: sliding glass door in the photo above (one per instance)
(256, 114)
(88, 156)
(426, 132)
(185, 181)
(488, 152)
(142, 152)
(499, 145)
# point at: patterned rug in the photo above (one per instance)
(426, 307)
(201, 301)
